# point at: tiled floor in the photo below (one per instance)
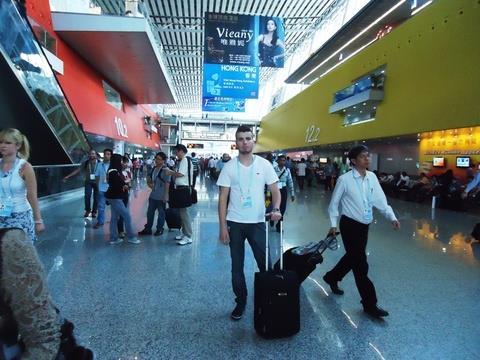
(158, 300)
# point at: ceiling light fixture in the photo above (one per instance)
(354, 38)
(421, 7)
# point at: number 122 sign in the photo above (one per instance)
(312, 133)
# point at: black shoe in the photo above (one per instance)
(333, 286)
(375, 311)
(237, 313)
(158, 232)
(145, 232)
(94, 214)
(87, 214)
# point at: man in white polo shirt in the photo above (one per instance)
(357, 192)
(183, 175)
(243, 180)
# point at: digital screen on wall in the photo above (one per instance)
(463, 162)
(438, 162)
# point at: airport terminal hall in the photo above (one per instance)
(239, 179)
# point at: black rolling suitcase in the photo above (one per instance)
(276, 299)
(172, 218)
(304, 259)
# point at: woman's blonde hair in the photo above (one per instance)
(15, 136)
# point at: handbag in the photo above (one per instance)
(180, 197)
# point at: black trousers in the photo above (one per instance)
(355, 237)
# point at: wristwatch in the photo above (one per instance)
(276, 210)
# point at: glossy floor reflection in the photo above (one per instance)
(158, 300)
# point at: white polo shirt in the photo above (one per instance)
(183, 169)
(247, 182)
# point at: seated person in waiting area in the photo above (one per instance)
(472, 185)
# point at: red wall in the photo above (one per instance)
(83, 88)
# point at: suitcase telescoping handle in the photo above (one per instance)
(267, 246)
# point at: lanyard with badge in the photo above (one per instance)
(245, 197)
(92, 173)
(366, 198)
(105, 180)
(6, 207)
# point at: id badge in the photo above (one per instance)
(92, 176)
(247, 202)
(368, 214)
(5, 210)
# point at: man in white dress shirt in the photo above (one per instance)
(357, 192)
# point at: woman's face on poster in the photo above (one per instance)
(271, 25)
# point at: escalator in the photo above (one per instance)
(31, 99)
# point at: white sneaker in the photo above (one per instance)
(179, 237)
(116, 241)
(134, 240)
(185, 240)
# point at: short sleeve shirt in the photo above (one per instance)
(247, 181)
(159, 180)
(183, 169)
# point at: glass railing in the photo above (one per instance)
(50, 179)
(26, 58)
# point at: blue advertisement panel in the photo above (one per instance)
(271, 41)
(223, 104)
(233, 81)
(230, 39)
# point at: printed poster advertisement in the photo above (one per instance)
(233, 81)
(230, 39)
(223, 104)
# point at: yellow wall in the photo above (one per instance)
(449, 144)
(432, 82)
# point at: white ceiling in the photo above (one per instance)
(179, 26)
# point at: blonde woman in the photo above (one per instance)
(18, 185)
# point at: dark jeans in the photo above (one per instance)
(155, 205)
(328, 183)
(255, 235)
(121, 223)
(301, 180)
(89, 188)
(194, 180)
(355, 236)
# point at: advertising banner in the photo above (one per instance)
(234, 81)
(271, 41)
(230, 39)
(235, 48)
(223, 104)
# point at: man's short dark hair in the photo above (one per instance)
(162, 155)
(356, 150)
(107, 149)
(281, 157)
(193, 154)
(243, 128)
